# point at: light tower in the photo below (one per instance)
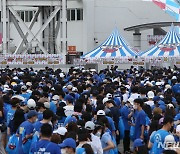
(52, 35)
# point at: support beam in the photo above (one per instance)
(24, 38)
(64, 28)
(53, 14)
(4, 21)
(19, 47)
(29, 31)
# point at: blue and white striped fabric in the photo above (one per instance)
(114, 46)
(169, 46)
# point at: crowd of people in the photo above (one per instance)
(84, 111)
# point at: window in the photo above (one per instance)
(74, 14)
(26, 16)
(22, 15)
(57, 15)
(68, 15)
(79, 14)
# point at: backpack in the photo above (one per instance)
(35, 137)
(26, 143)
(121, 128)
(132, 131)
(12, 145)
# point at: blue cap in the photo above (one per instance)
(72, 119)
(69, 98)
(161, 103)
(177, 117)
(156, 98)
(31, 114)
(69, 142)
(162, 107)
(138, 143)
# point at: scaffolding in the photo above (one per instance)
(52, 32)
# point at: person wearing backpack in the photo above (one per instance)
(44, 145)
(25, 132)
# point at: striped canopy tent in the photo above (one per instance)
(113, 47)
(169, 46)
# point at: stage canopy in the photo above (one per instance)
(113, 47)
(169, 46)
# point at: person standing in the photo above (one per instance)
(157, 139)
(44, 145)
(26, 131)
(140, 119)
(126, 114)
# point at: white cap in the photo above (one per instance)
(23, 87)
(74, 89)
(105, 80)
(167, 86)
(31, 103)
(69, 86)
(19, 97)
(127, 86)
(105, 100)
(169, 139)
(148, 83)
(158, 83)
(150, 94)
(28, 84)
(47, 105)
(61, 75)
(6, 86)
(90, 125)
(174, 78)
(131, 100)
(116, 80)
(170, 105)
(61, 131)
(178, 128)
(101, 112)
(15, 78)
(109, 95)
(55, 98)
(93, 70)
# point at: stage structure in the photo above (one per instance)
(52, 15)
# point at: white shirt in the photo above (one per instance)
(150, 103)
(96, 144)
(69, 110)
(135, 95)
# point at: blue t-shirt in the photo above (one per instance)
(40, 116)
(53, 107)
(158, 141)
(6, 108)
(37, 126)
(139, 121)
(176, 88)
(26, 128)
(124, 113)
(106, 137)
(111, 123)
(26, 96)
(10, 115)
(45, 146)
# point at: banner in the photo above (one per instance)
(31, 59)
